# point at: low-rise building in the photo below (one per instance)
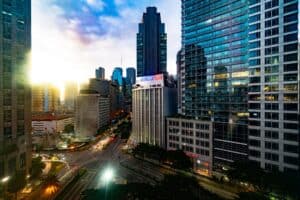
(195, 138)
(49, 123)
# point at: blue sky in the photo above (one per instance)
(73, 37)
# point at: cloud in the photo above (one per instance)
(71, 39)
(97, 4)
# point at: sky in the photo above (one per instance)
(71, 38)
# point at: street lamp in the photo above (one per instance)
(107, 175)
(5, 179)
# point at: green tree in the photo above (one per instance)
(37, 168)
(69, 128)
(178, 159)
(17, 182)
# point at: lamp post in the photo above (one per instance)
(107, 177)
(4, 181)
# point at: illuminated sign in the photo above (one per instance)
(157, 79)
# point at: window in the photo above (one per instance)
(291, 18)
(271, 134)
(254, 62)
(7, 101)
(271, 13)
(271, 156)
(254, 53)
(255, 106)
(291, 160)
(20, 129)
(290, 8)
(255, 143)
(254, 132)
(290, 87)
(271, 50)
(290, 57)
(254, 123)
(291, 116)
(271, 106)
(272, 124)
(271, 116)
(290, 77)
(271, 32)
(272, 78)
(272, 69)
(7, 30)
(254, 9)
(290, 126)
(254, 153)
(7, 132)
(271, 145)
(22, 160)
(271, 41)
(290, 106)
(291, 47)
(272, 22)
(254, 27)
(290, 37)
(254, 97)
(291, 67)
(253, 45)
(290, 28)
(272, 60)
(254, 79)
(271, 4)
(291, 137)
(254, 18)
(254, 36)
(271, 88)
(290, 97)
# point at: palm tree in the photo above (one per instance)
(51, 185)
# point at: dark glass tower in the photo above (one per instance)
(215, 73)
(15, 91)
(151, 44)
(100, 73)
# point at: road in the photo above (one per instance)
(95, 161)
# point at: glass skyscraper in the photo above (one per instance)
(151, 45)
(274, 84)
(214, 72)
(15, 91)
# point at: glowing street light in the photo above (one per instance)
(5, 179)
(107, 175)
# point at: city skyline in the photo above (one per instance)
(91, 34)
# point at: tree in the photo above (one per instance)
(37, 167)
(252, 196)
(178, 159)
(69, 128)
(51, 185)
(17, 182)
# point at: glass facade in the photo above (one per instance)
(15, 91)
(151, 45)
(215, 86)
(274, 84)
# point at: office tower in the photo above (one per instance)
(215, 73)
(71, 92)
(151, 44)
(274, 84)
(92, 113)
(15, 91)
(45, 98)
(100, 73)
(152, 101)
(131, 75)
(117, 76)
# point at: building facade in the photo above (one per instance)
(70, 94)
(100, 73)
(215, 64)
(195, 138)
(15, 91)
(50, 123)
(131, 75)
(92, 113)
(274, 84)
(152, 101)
(151, 44)
(45, 98)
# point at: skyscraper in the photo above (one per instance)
(151, 45)
(100, 73)
(215, 73)
(15, 91)
(71, 92)
(45, 98)
(131, 75)
(117, 76)
(274, 84)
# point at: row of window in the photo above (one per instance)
(275, 157)
(275, 116)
